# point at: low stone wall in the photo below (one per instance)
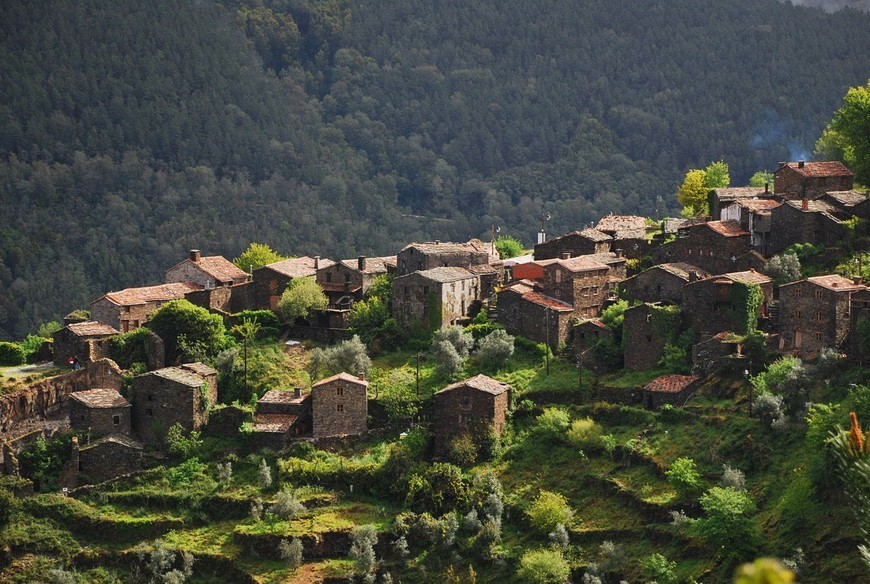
(40, 399)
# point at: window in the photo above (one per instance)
(818, 315)
(329, 276)
(649, 338)
(419, 265)
(339, 407)
(116, 419)
(339, 391)
(465, 401)
(149, 411)
(347, 278)
(818, 294)
(150, 397)
(818, 336)
(558, 276)
(407, 290)
(426, 290)
(594, 290)
(798, 292)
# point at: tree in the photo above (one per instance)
(544, 566)
(783, 268)
(349, 356)
(716, 175)
(726, 523)
(548, 510)
(684, 476)
(495, 349)
(362, 550)
(188, 331)
(302, 296)
(448, 361)
(247, 330)
(508, 247)
(286, 505)
(847, 137)
(291, 551)
(761, 178)
(256, 256)
(692, 194)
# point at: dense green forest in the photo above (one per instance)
(132, 131)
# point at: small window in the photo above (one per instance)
(419, 265)
(465, 400)
(798, 292)
(339, 391)
(347, 278)
(328, 276)
(82, 417)
(150, 397)
(149, 411)
(649, 338)
(339, 407)
(407, 290)
(818, 315)
(818, 336)
(116, 419)
(426, 290)
(818, 294)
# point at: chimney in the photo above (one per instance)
(437, 241)
(361, 263)
(800, 163)
(805, 205)
(316, 262)
(566, 255)
(297, 392)
(858, 280)
(194, 256)
(693, 276)
(766, 187)
(619, 252)
(362, 375)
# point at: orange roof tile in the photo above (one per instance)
(159, 293)
(298, 267)
(836, 282)
(670, 383)
(819, 169)
(92, 328)
(220, 268)
(726, 228)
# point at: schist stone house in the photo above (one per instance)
(810, 180)
(582, 282)
(108, 457)
(339, 406)
(849, 203)
(346, 281)
(436, 298)
(662, 283)
(129, 309)
(469, 405)
(644, 343)
(754, 216)
(526, 312)
(171, 395)
(100, 412)
(281, 416)
(587, 335)
(426, 256)
(207, 272)
(722, 198)
(622, 226)
(815, 221)
(714, 246)
(271, 280)
(711, 305)
(576, 243)
(669, 389)
(87, 341)
(815, 313)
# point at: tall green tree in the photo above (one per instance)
(847, 137)
(761, 178)
(692, 194)
(189, 332)
(301, 297)
(256, 256)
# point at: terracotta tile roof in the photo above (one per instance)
(758, 204)
(100, 398)
(819, 169)
(726, 228)
(480, 382)
(483, 269)
(596, 322)
(179, 375)
(144, 295)
(200, 369)
(445, 274)
(278, 423)
(682, 270)
(114, 439)
(836, 282)
(220, 268)
(92, 328)
(342, 376)
(582, 264)
(748, 277)
(277, 396)
(617, 223)
(847, 198)
(547, 301)
(521, 287)
(373, 265)
(298, 267)
(670, 383)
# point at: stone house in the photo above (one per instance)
(849, 203)
(669, 389)
(208, 374)
(107, 458)
(860, 309)
(662, 283)
(708, 354)
(622, 226)
(522, 268)
(723, 197)
(526, 312)
(99, 412)
(643, 342)
(469, 405)
(129, 309)
(714, 246)
(582, 282)
(87, 341)
(434, 298)
(806, 221)
(271, 280)
(754, 216)
(712, 306)
(417, 257)
(576, 243)
(587, 335)
(339, 406)
(816, 313)
(346, 281)
(167, 396)
(281, 416)
(811, 180)
(206, 272)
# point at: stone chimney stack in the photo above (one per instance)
(800, 163)
(297, 392)
(805, 205)
(566, 255)
(693, 276)
(361, 263)
(316, 262)
(194, 256)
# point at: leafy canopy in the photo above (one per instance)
(692, 194)
(256, 256)
(188, 331)
(508, 247)
(302, 296)
(847, 137)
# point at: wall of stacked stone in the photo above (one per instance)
(108, 459)
(41, 398)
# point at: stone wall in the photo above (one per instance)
(655, 285)
(461, 409)
(787, 181)
(123, 318)
(573, 244)
(643, 345)
(225, 421)
(158, 403)
(41, 398)
(108, 458)
(812, 317)
(707, 249)
(531, 320)
(99, 421)
(188, 271)
(339, 407)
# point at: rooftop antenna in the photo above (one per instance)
(542, 235)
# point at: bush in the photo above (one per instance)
(683, 475)
(180, 445)
(544, 566)
(456, 336)
(189, 331)
(439, 489)
(553, 421)
(559, 537)
(11, 353)
(783, 268)
(660, 569)
(8, 503)
(265, 318)
(726, 524)
(362, 549)
(448, 362)
(186, 474)
(286, 505)
(462, 451)
(548, 510)
(349, 356)
(732, 478)
(585, 433)
(768, 408)
(291, 551)
(129, 348)
(264, 475)
(302, 296)
(495, 349)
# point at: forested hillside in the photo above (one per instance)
(132, 131)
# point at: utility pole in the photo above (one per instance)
(547, 334)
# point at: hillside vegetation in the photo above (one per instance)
(133, 131)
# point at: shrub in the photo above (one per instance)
(349, 356)
(488, 537)
(8, 503)
(438, 489)
(495, 349)
(783, 268)
(302, 296)
(611, 557)
(585, 433)
(11, 353)
(180, 445)
(186, 473)
(471, 523)
(548, 510)
(256, 510)
(553, 421)
(449, 526)
(683, 475)
(456, 336)
(544, 566)
(726, 523)
(291, 551)
(559, 537)
(657, 567)
(768, 408)
(264, 474)
(448, 362)
(508, 247)
(732, 478)
(362, 549)
(286, 505)
(129, 348)
(225, 472)
(462, 451)
(265, 318)
(400, 548)
(189, 331)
